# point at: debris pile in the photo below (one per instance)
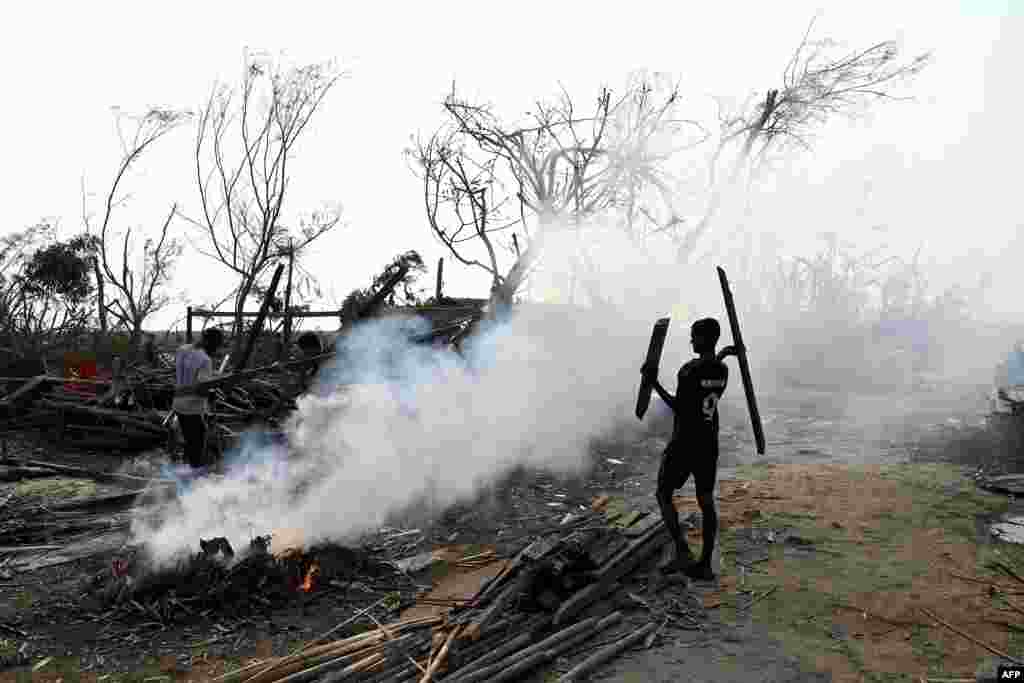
(213, 581)
(132, 412)
(549, 603)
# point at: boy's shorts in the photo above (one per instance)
(679, 462)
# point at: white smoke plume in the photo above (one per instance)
(393, 422)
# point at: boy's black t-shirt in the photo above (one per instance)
(701, 385)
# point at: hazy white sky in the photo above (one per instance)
(943, 171)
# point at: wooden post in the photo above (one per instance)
(188, 325)
(440, 272)
(257, 326)
(287, 334)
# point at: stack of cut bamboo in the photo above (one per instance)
(373, 652)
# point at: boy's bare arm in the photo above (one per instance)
(729, 351)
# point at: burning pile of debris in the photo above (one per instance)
(215, 581)
(551, 601)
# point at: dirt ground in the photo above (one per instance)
(864, 536)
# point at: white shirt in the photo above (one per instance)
(191, 366)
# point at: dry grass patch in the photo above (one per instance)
(890, 542)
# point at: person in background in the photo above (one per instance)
(192, 365)
(310, 347)
(149, 350)
(1009, 381)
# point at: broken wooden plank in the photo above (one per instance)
(652, 360)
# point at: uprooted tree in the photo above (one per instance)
(132, 286)
(245, 142)
(626, 161)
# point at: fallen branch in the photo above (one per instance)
(998, 653)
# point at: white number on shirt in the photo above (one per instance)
(709, 407)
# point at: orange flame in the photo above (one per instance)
(307, 583)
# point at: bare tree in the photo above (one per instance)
(820, 82)
(244, 144)
(135, 291)
(482, 176)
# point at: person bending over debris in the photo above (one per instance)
(693, 448)
(192, 364)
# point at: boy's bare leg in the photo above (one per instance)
(682, 556)
(709, 517)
